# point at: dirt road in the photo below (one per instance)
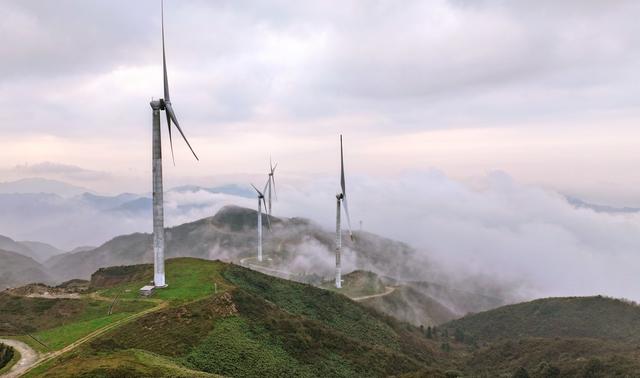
(28, 357)
(389, 290)
(49, 356)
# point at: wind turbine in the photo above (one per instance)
(158, 204)
(341, 198)
(260, 202)
(271, 181)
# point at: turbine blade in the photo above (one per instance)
(164, 59)
(256, 189)
(273, 178)
(346, 212)
(342, 182)
(170, 139)
(169, 110)
(269, 194)
(268, 215)
(265, 186)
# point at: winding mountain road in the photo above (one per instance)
(389, 290)
(28, 357)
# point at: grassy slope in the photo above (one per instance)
(358, 283)
(260, 325)
(595, 317)
(122, 363)
(572, 357)
(577, 335)
(58, 322)
(188, 279)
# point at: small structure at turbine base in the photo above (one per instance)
(146, 291)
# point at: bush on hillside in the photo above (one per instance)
(6, 354)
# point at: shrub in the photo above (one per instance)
(6, 354)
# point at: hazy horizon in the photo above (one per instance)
(459, 117)
(544, 92)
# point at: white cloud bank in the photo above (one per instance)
(520, 235)
(529, 239)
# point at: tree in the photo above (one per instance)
(459, 335)
(445, 347)
(594, 368)
(429, 333)
(521, 373)
(546, 370)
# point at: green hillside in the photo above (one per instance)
(58, 322)
(219, 319)
(592, 317)
(253, 325)
(568, 337)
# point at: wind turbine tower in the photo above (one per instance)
(158, 204)
(341, 198)
(261, 201)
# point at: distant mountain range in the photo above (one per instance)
(297, 246)
(578, 203)
(65, 215)
(41, 185)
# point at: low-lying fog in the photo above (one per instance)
(531, 240)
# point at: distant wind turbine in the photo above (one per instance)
(158, 204)
(260, 202)
(271, 182)
(341, 198)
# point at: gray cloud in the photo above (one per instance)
(405, 65)
(60, 171)
(496, 230)
(528, 238)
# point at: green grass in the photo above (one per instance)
(60, 337)
(188, 279)
(590, 317)
(122, 363)
(337, 311)
(358, 284)
(232, 349)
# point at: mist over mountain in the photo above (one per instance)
(30, 212)
(39, 251)
(42, 185)
(17, 269)
(488, 234)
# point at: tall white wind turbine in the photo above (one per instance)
(261, 201)
(341, 198)
(158, 204)
(271, 185)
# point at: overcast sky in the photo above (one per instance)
(546, 91)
